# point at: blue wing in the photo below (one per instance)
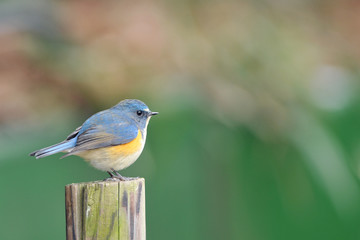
(106, 128)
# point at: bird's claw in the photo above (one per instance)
(115, 176)
(111, 179)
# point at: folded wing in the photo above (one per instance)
(102, 130)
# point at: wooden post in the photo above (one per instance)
(105, 210)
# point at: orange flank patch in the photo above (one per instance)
(127, 148)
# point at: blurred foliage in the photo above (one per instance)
(258, 132)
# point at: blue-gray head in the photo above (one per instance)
(136, 110)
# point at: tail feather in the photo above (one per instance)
(63, 146)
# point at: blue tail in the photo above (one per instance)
(63, 146)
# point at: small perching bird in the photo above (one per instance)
(110, 140)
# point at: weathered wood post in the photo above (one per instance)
(106, 210)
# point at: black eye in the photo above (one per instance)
(139, 112)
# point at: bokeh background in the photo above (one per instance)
(258, 136)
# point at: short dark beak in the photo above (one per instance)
(153, 113)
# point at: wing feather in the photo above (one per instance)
(102, 130)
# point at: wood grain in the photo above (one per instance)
(105, 210)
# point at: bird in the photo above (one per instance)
(110, 140)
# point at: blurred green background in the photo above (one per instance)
(258, 132)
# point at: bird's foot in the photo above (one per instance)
(115, 176)
(111, 179)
